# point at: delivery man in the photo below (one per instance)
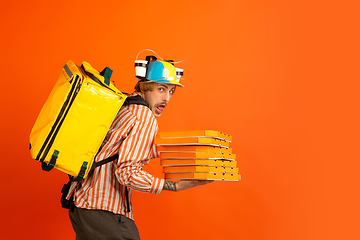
(103, 207)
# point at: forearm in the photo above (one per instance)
(170, 186)
(183, 184)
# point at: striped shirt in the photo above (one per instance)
(132, 136)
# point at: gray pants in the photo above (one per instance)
(98, 224)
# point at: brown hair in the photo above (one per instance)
(144, 86)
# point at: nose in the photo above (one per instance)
(166, 97)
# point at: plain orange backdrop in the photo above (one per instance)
(282, 77)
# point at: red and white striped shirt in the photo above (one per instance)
(132, 136)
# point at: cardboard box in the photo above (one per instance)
(205, 149)
(203, 176)
(196, 162)
(200, 169)
(191, 141)
(197, 155)
(200, 133)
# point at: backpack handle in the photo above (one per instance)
(106, 73)
(103, 76)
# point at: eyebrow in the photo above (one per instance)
(165, 86)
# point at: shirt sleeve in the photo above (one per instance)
(136, 148)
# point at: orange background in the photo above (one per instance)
(281, 77)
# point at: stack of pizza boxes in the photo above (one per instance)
(199, 155)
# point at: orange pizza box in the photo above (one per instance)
(195, 162)
(194, 149)
(200, 169)
(196, 155)
(191, 141)
(203, 176)
(199, 133)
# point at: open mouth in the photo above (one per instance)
(160, 108)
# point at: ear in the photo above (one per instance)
(142, 94)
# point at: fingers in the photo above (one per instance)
(186, 184)
(202, 182)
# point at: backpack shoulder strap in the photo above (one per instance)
(104, 161)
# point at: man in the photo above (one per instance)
(103, 208)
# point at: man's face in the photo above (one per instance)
(159, 97)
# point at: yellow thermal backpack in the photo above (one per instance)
(75, 119)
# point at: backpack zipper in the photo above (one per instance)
(59, 120)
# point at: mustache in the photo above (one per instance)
(159, 104)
